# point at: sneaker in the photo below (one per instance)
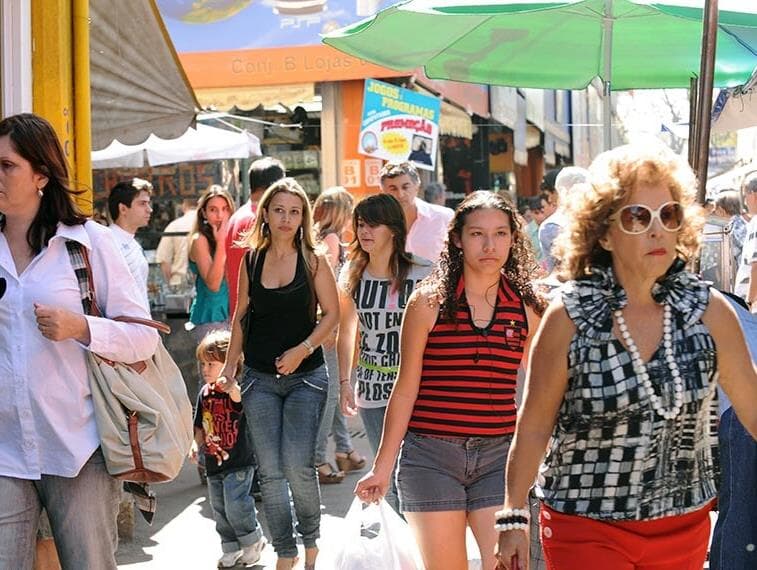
(229, 559)
(251, 553)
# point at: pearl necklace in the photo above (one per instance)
(641, 369)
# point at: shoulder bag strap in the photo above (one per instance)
(79, 257)
(251, 260)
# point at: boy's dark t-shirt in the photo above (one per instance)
(223, 420)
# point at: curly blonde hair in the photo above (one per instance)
(614, 174)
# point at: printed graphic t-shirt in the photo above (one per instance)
(224, 424)
(380, 311)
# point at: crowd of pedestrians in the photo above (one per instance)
(420, 320)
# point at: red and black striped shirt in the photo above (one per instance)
(467, 385)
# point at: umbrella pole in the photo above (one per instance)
(707, 75)
(693, 122)
(607, 74)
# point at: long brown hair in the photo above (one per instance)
(332, 210)
(379, 209)
(34, 139)
(519, 268)
(259, 236)
(202, 226)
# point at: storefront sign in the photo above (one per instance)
(350, 173)
(226, 43)
(399, 124)
(372, 171)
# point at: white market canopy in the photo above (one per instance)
(200, 143)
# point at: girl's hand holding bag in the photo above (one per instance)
(374, 536)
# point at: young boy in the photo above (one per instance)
(221, 431)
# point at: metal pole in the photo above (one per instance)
(607, 75)
(693, 122)
(704, 116)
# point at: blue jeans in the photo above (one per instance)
(234, 508)
(283, 415)
(736, 527)
(333, 421)
(82, 512)
(373, 422)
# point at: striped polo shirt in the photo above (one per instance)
(467, 385)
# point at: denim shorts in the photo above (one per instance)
(439, 473)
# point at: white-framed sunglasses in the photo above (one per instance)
(637, 218)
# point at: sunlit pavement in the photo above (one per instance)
(183, 534)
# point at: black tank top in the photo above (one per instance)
(278, 318)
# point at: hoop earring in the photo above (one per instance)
(266, 231)
(302, 233)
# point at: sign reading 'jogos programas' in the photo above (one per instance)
(399, 124)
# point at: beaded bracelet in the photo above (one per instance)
(512, 519)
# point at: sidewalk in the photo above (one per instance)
(183, 533)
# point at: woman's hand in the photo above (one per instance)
(330, 341)
(226, 379)
(347, 399)
(219, 232)
(372, 487)
(512, 543)
(290, 360)
(61, 324)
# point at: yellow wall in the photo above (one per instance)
(60, 87)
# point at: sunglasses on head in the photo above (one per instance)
(638, 218)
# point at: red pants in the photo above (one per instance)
(572, 542)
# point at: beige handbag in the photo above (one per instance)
(142, 411)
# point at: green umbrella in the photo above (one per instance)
(556, 44)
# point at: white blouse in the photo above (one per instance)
(46, 409)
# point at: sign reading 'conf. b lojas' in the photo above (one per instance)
(399, 124)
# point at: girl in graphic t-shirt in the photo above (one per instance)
(374, 287)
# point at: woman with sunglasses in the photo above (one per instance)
(622, 379)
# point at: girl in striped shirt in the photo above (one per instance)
(452, 412)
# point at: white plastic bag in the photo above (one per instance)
(376, 538)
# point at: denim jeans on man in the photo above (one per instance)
(283, 416)
(82, 512)
(332, 421)
(234, 508)
(373, 422)
(734, 540)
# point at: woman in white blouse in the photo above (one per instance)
(49, 452)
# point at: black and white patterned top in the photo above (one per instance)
(611, 456)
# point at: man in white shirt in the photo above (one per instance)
(426, 223)
(130, 209)
(172, 252)
(746, 276)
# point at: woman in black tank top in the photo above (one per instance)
(285, 381)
